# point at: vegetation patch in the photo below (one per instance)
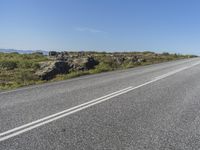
(17, 70)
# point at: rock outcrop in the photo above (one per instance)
(49, 69)
(84, 63)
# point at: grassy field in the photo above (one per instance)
(17, 70)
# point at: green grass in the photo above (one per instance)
(18, 70)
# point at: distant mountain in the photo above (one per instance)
(22, 51)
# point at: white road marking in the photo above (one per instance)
(60, 113)
(27, 127)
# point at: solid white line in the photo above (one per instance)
(59, 113)
(27, 127)
(58, 117)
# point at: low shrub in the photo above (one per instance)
(8, 64)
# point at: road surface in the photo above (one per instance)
(155, 107)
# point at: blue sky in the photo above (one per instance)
(103, 25)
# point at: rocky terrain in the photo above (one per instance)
(65, 62)
(24, 69)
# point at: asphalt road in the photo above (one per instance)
(155, 107)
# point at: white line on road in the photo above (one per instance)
(27, 127)
(60, 113)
